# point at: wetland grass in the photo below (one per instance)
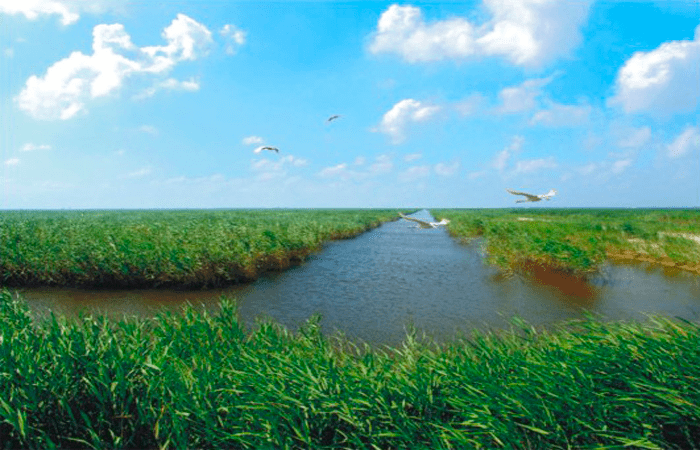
(579, 240)
(168, 248)
(193, 380)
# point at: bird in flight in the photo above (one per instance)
(273, 149)
(533, 197)
(332, 118)
(424, 224)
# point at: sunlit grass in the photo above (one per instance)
(193, 380)
(579, 240)
(197, 248)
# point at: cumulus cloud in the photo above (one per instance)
(523, 97)
(414, 173)
(267, 169)
(501, 160)
(69, 83)
(140, 173)
(150, 129)
(334, 171)
(172, 84)
(32, 9)
(12, 162)
(382, 164)
(527, 32)
(412, 157)
(29, 147)
(558, 115)
(685, 143)
(533, 165)
(635, 138)
(620, 165)
(252, 140)
(233, 37)
(446, 170)
(403, 114)
(662, 81)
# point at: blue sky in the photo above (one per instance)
(111, 104)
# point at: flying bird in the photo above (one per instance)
(533, 197)
(424, 224)
(331, 118)
(273, 149)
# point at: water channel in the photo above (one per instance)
(373, 286)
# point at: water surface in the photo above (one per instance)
(373, 286)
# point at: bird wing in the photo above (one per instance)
(529, 196)
(418, 221)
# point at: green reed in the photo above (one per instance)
(193, 380)
(188, 248)
(578, 240)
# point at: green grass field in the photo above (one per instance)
(188, 248)
(579, 240)
(196, 381)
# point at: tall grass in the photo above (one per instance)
(195, 248)
(193, 380)
(579, 240)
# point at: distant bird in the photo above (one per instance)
(273, 149)
(331, 118)
(424, 224)
(533, 197)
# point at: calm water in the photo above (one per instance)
(372, 286)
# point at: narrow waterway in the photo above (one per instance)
(374, 286)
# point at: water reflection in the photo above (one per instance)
(372, 286)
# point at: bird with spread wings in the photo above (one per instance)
(533, 197)
(423, 223)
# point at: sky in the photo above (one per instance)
(442, 104)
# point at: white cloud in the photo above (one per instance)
(685, 143)
(140, 173)
(501, 160)
(360, 160)
(635, 138)
(475, 175)
(382, 164)
(334, 171)
(9, 52)
(533, 165)
(150, 129)
(69, 83)
(29, 147)
(268, 169)
(446, 170)
(234, 38)
(621, 165)
(12, 162)
(662, 81)
(402, 114)
(31, 9)
(558, 115)
(523, 97)
(588, 169)
(414, 173)
(470, 105)
(527, 32)
(172, 84)
(412, 157)
(251, 140)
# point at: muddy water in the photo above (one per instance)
(373, 286)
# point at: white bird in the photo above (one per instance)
(259, 149)
(533, 197)
(333, 117)
(424, 224)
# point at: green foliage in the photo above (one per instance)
(189, 248)
(193, 380)
(575, 240)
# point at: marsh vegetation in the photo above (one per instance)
(579, 240)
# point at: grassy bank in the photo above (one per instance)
(198, 381)
(190, 248)
(579, 240)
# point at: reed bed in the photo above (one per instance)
(194, 380)
(187, 248)
(579, 240)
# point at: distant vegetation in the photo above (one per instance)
(192, 380)
(579, 240)
(187, 248)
